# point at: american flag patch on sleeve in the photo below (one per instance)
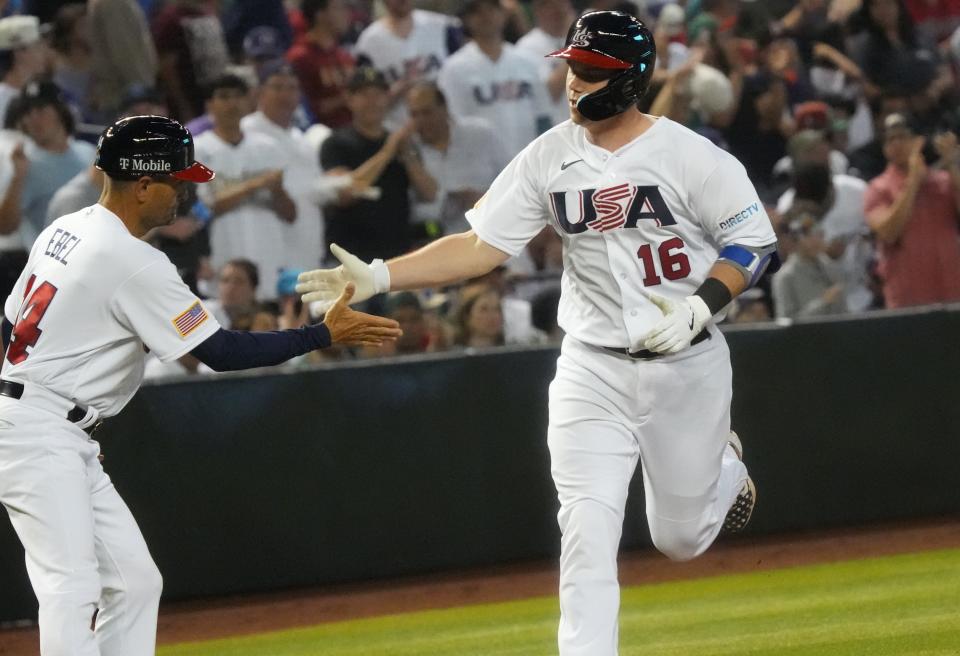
(189, 320)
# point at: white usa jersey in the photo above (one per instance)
(90, 302)
(652, 215)
(508, 93)
(419, 56)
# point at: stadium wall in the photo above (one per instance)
(381, 469)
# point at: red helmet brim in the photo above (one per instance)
(590, 58)
(196, 172)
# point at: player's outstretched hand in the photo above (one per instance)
(351, 328)
(681, 322)
(325, 285)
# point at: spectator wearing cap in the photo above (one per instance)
(310, 189)
(807, 285)
(262, 46)
(243, 17)
(122, 54)
(53, 157)
(839, 201)
(491, 79)
(406, 309)
(248, 201)
(867, 160)
(323, 66)
(462, 155)
(552, 19)
(407, 45)
(812, 132)
(914, 213)
(376, 226)
(23, 56)
(192, 53)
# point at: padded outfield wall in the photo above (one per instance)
(380, 469)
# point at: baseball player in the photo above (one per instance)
(92, 301)
(661, 230)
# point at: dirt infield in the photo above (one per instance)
(201, 620)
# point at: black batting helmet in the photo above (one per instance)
(617, 41)
(149, 145)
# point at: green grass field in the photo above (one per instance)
(907, 604)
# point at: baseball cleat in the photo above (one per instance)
(739, 514)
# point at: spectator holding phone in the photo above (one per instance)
(914, 212)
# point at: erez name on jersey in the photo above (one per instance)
(61, 245)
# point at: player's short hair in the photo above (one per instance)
(431, 87)
(249, 269)
(225, 81)
(309, 9)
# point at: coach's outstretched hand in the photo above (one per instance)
(681, 322)
(351, 328)
(324, 285)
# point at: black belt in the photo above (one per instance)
(645, 354)
(76, 414)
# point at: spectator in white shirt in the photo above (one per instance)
(308, 186)
(247, 199)
(407, 45)
(494, 80)
(553, 18)
(462, 155)
(840, 199)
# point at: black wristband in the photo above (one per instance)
(318, 335)
(715, 294)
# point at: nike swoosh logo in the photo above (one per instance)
(565, 165)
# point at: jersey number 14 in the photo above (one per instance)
(27, 331)
(674, 263)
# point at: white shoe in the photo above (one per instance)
(742, 509)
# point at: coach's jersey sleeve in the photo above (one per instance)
(729, 207)
(156, 305)
(513, 210)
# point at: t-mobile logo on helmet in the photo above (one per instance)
(146, 166)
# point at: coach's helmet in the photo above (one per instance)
(617, 41)
(149, 145)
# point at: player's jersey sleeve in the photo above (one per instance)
(156, 305)
(513, 210)
(729, 207)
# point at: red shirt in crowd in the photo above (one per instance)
(923, 265)
(323, 74)
(940, 16)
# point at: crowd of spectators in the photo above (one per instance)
(376, 124)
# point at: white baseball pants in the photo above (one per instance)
(84, 549)
(606, 411)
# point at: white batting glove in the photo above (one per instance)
(681, 322)
(324, 286)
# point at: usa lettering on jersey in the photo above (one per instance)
(413, 69)
(609, 208)
(502, 91)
